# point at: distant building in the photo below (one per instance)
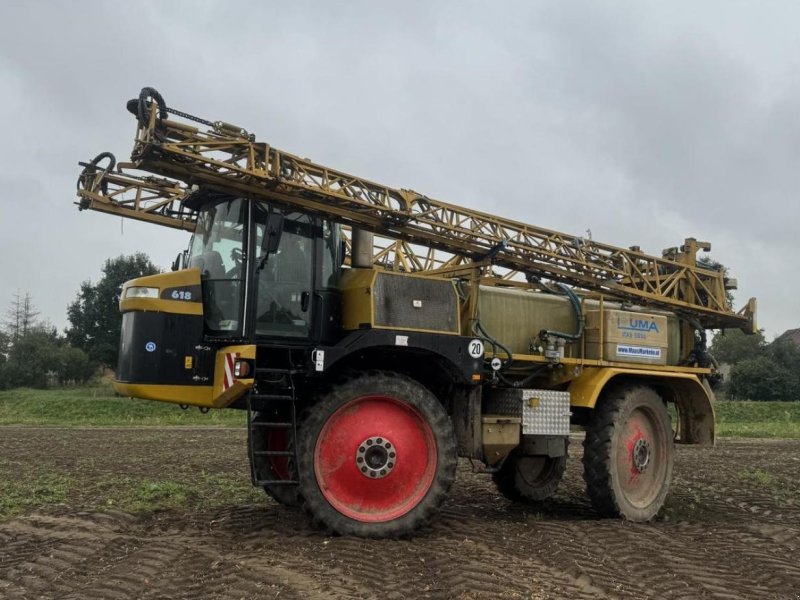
(791, 334)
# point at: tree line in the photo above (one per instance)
(34, 354)
(758, 370)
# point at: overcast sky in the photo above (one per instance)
(646, 122)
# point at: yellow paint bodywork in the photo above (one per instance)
(208, 396)
(193, 395)
(356, 286)
(240, 386)
(586, 388)
(358, 305)
(162, 281)
(692, 397)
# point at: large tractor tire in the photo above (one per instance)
(628, 454)
(529, 479)
(377, 456)
(275, 467)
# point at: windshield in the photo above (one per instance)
(217, 250)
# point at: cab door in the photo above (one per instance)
(284, 279)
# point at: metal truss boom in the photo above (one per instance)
(424, 234)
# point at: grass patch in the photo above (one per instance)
(758, 476)
(136, 495)
(20, 492)
(758, 419)
(99, 406)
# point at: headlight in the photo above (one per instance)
(141, 292)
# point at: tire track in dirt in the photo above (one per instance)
(723, 537)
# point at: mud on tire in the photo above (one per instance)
(628, 453)
(376, 456)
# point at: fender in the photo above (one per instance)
(692, 397)
(452, 350)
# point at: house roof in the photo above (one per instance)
(791, 334)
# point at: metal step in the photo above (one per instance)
(279, 397)
(271, 425)
(274, 393)
(277, 371)
(263, 482)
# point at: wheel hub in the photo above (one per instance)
(641, 454)
(376, 457)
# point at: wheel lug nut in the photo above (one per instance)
(360, 459)
(392, 454)
(379, 440)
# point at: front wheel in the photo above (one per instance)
(376, 455)
(628, 454)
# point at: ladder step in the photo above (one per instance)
(282, 397)
(261, 482)
(273, 453)
(276, 371)
(270, 425)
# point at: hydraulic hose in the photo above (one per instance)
(147, 96)
(479, 330)
(576, 306)
(84, 179)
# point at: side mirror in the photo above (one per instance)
(272, 235)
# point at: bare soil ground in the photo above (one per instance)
(731, 529)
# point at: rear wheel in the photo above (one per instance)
(529, 479)
(628, 454)
(377, 456)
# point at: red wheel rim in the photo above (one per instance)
(641, 458)
(339, 476)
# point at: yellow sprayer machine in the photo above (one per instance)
(373, 335)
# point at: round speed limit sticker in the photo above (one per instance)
(475, 348)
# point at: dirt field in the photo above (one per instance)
(731, 529)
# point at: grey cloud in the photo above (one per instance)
(643, 123)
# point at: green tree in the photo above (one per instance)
(762, 378)
(21, 316)
(731, 346)
(94, 315)
(706, 262)
(73, 365)
(786, 353)
(32, 359)
(4, 347)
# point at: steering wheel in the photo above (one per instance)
(237, 256)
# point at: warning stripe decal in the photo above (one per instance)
(228, 379)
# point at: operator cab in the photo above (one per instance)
(266, 273)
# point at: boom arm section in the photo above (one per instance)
(229, 159)
(141, 197)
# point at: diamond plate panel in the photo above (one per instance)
(545, 412)
(504, 401)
